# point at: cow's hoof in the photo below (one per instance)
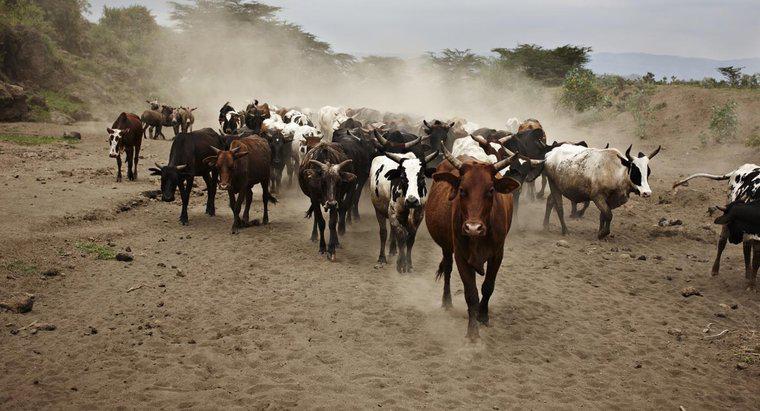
(118, 179)
(714, 273)
(483, 319)
(183, 221)
(447, 305)
(382, 260)
(255, 223)
(331, 257)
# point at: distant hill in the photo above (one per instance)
(663, 65)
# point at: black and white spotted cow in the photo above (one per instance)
(399, 191)
(744, 186)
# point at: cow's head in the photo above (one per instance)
(255, 115)
(170, 178)
(279, 147)
(386, 144)
(408, 179)
(224, 162)
(736, 218)
(326, 177)
(436, 133)
(639, 171)
(153, 104)
(475, 186)
(115, 143)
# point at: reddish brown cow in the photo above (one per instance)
(246, 164)
(468, 214)
(125, 135)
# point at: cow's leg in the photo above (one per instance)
(130, 160)
(333, 242)
(721, 246)
(487, 289)
(118, 168)
(755, 264)
(582, 211)
(605, 217)
(747, 248)
(444, 269)
(392, 246)
(467, 274)
(237, 223)
(543, 187)
(176, 130)
(185, 188)
(343, 207)
(516, 203)
(411, 230)
(160, 133)
(137, 159)
(399, 232)
(291, 170)
(573, 209)
(211, 179)
(559, 207)
(531, 189)
(247, 210)
(320, 221)
(381, 222)
(355, 202)
(266, 195)
(548, 212)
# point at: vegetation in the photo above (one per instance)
(548, 65)
(26, 140)
(724, 122)
(101, 252)
(640, 107)
(580, 90)
(20, 267)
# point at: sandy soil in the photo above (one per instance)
(259, 320)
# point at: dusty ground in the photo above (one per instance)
(259, 320)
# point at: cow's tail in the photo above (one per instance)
(710, 176)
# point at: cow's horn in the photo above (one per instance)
(216, 150)
(319, 163)
(430, 157)
(479, 139)
(504, 140)
(380, 138)
(723, 209)
(628, 153)
(503, 163)
(344, 163)
(453, 160)
(158, 165)
(536, 162)
(413, 142)
(395, 157)
(181, 167)
(234, 150)
(654, 153)
(509, 153)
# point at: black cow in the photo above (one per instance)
(228, 119)
(742, 219)
(185, 162)
(436, 134)
(362, 152)
(280, 148)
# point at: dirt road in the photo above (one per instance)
(259, 320)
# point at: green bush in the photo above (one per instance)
(101, 252)
(639, 105)
(724, 122)
(754, 139)
(580, 90)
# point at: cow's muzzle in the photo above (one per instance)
(412, 202)
(331, 205)
(224, 186)
(474, 229)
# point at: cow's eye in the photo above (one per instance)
(490, 192)
(462, 192)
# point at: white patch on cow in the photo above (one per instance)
(470, 127)
(512, 125)
(114, 138)
(466, 146)
(412, 168)
(642, 163)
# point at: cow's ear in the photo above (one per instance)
(393, 174)
(109, 130)
(429, 172)
(155, 171)
(311, 173)
(451, 177)
(723, 220)
(505, 185)
(209, 161)
(347, 177)
(241, 154)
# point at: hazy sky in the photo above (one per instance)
(721, 29)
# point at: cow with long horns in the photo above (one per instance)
(468, 214)
(326, 177)
(603, 176)
(399, 192)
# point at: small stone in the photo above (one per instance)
(92, 330)
(642, 258)
(19, 305)
(53, 272)
(689, 291)
(191, 342)
(637, 365)
(734, 306)
(124, 257)
(128, 249)
(563, 244)
(741, 366)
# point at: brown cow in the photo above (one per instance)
(468, 214)
(126, 134)
(246, 164)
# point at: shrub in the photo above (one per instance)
(724, 121)
(639, 104)
(753, 140)
(580, 90)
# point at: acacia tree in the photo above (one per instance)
(732, 74)
(550, 65)
(457, 62)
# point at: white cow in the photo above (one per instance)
(329, 119)
(513, 124)
(743, 185)
(603, 176)
(399, 191)
(295, 116)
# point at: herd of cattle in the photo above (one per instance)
(477, 177)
